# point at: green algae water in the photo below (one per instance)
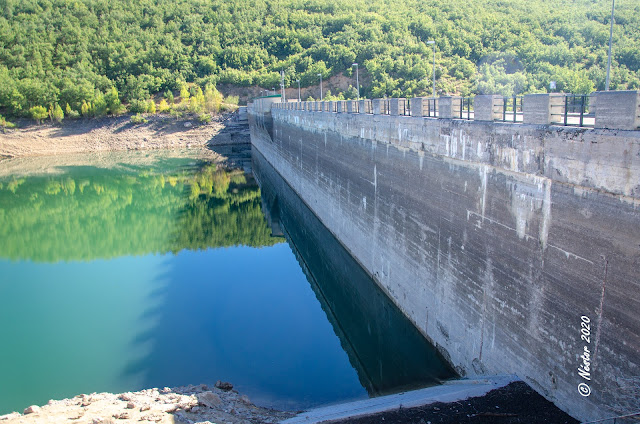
(127, 271)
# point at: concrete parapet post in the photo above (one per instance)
(263, 104)
(449, 107)
(618, 110)
(376, 106)
(543, 109)
(396, 106)
(362, 108)
(340, 106)
(593, 102)
(487, 107)
(351, 106)
(418, 105)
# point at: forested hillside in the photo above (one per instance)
(70, 51)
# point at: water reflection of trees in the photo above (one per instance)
(90, 213)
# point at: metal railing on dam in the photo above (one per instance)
(513, 247)
(610, 109)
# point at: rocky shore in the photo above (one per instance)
(220, 404)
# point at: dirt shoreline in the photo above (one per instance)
(114, 134)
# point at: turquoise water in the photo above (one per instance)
(129, 273)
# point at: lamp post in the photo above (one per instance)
(434, 66)
(298, 81)
(320, 75)
(357, 82)
(283, 96)
(606, 85)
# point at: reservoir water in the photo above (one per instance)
(134, 270)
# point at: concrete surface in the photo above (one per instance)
(451, 391)
(618, 109)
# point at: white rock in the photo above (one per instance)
(9, 416)
(33, 409)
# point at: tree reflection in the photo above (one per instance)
(89, 213)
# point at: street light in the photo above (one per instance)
(320, 75)
(298, 81)
(434, 66)
(283, 96)
(606, 85)
(357, 82)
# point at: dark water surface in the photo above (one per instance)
(126, 272)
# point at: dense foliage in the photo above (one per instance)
(91, 214)
(75, 51)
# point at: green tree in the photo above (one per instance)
(57, 114)
(184, 93)
(99, 105)
(212, 99)
(112, 99)
(38, 113)
(197, 102)
(85, 109)
(169, 96)
(163, 107)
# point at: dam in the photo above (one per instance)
(514, 248)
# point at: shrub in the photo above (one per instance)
(138, 106)
(138, 119)
(112, 98)
(204, 118)
(99, 106)
(163, 107)
(169, 96)
(212, 99)
(56, 114)
(225, 107)
(70, 113)
(38, 113)
(232, 100)
(85, 108)
(6, 124)
(151, 106)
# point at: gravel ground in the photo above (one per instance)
(514, 403)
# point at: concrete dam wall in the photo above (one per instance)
(513, 248)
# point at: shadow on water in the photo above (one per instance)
(387, 351)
